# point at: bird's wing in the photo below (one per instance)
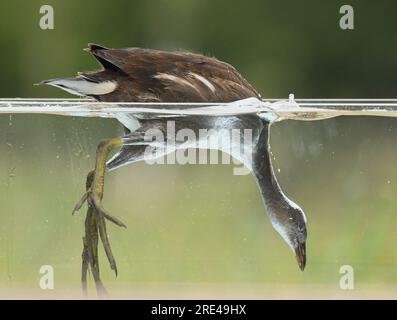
(152, 75)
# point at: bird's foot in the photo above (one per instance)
(90, 260)
(94, 201)
(95, 223)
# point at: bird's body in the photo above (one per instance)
(143, 75)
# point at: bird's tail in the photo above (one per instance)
(83, 85)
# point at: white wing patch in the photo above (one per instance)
(171, 77)
(203, 80)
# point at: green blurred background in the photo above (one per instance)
(199, 231)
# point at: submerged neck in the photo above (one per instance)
(263, 171)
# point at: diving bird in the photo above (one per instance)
(144, 75)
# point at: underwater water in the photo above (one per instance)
(198, 231)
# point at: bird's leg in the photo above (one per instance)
(94, 195)
(96, 215)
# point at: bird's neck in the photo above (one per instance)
(263, 171)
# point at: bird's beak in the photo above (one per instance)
(300, 252)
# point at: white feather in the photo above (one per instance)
(203, 80)
(82, 87)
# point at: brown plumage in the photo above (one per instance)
(145, 75)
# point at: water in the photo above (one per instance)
(279, 109)
(199, 230)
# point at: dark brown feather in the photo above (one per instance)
(151, 75)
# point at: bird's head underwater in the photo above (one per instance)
(290, 222)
